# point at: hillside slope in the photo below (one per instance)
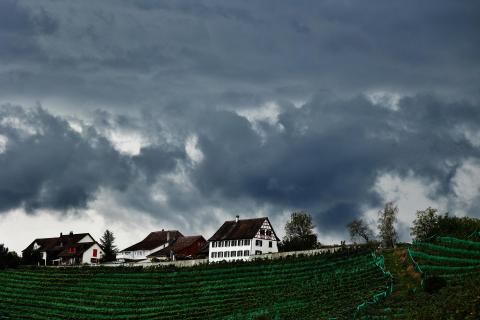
(448, 262)
(317, 287)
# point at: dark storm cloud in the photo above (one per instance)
(46, 164)
(146, 53)
(330, 152)
(171, 70)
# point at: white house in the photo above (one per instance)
(154, 242)
(68, 249)
(241, 239)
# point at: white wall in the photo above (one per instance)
(138, 254)
(87, 255)
(252, 248)
(87, 238)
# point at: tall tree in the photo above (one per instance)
(299, 233)
(425, 225)
(108, 246)
(386, 224)
(8, 259)
(360, 229)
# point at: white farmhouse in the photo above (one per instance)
(155, 241)
(67, 249)
(241, 239)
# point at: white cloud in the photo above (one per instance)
(3, 143)
(384, 98)
(410, 194)
(466, 186)
(192, 149)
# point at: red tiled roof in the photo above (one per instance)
(243, 229)
(178, 245)
(154, 240)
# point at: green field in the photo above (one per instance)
(457, 261)
(317, 287)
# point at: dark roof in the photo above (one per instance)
(177, 246)
(81, 248)
(154, 240)
(58, 243)
(243, 229)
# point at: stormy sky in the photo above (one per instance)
(145, 115)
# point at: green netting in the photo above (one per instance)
(450, 268)
(380, 262)
(441, 248)
(475, 234)
(459, 241)
(417, 266)
(425, 256)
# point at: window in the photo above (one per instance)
(269, 233)
(262, 232)
(226, 254)
(233, 253)
(270, 244)
(258, 243)
(220, 254)
(246, 242)
(95, 252)
(72, 250)
(246, 253)
(257, 252)
(227, 244)
(213, 244)
(239, 253)
(240, 242)
(234, 243)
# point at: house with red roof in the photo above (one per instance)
(182, 248)
(67, 249)
(242, 239)
(154, 242)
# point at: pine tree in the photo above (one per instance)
(108, 246)
(386, 220)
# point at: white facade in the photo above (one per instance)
(89, 256)
(87, 238)
(138, 254)
(265, 241)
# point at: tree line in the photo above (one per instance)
(300, 235)
(428, 223)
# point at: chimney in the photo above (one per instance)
(61, 234)
(71, 233)
(168, 235)
(237, 217)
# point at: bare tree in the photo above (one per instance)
(386, 224)
(359, 229)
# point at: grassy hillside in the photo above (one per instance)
(319, 287)
(439, 279)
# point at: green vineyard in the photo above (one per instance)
(330, 286)
(447, 257)
(436, 279)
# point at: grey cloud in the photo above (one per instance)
(46, 164)
(118, 54)
(331, 152)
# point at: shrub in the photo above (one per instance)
(434, 284)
